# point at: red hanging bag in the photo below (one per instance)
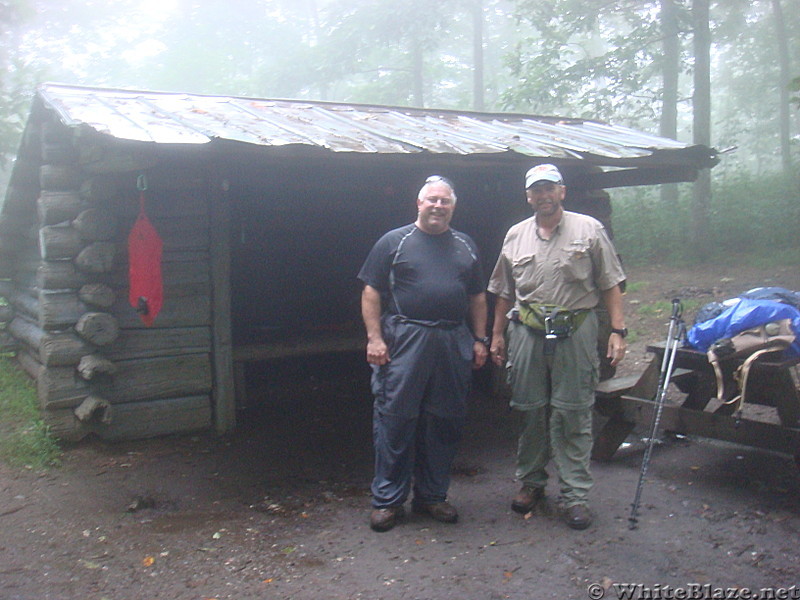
(144, 257)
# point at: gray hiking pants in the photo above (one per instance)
(419, 410)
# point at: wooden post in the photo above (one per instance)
(223, 395)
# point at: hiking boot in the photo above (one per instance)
(383, 519)
(441, 511)
(526, 499)
(577, 516)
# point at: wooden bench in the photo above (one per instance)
(307, 344)
(626, 401)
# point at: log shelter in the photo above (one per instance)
(266, 210)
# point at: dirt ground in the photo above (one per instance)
(279, 510)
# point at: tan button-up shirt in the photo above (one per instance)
(570, 269)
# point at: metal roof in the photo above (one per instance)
(177, 118)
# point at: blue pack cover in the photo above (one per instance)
(745, 314)
(778, 294)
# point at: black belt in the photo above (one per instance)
(439, 323)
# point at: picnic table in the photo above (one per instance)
(769, 419)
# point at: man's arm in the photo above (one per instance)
(612, 298)
(477, 319)
(377, 352)
(498, 348)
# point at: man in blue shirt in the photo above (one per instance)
(424, 309)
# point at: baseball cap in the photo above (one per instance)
(543, 173)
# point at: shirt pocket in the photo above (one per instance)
(576, 262)
(523, 267)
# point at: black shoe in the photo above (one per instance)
(441, 511)
(383, 519)
(577, 516)
(526, 499)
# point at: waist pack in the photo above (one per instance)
(550, 319)
(750, 343)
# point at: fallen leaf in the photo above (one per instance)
(148, 561)
(270, 580)
(508, 574)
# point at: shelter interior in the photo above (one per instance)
(300, 230)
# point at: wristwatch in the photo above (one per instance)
(623, 333)
(484, 340)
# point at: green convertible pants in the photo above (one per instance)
(554, 396)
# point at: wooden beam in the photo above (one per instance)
(638, 176)
(165, 377)
(224, 392)
(137, 420)
(306, 345)
(746, 431)
(57, 207)
(152, 342)
(54, 348)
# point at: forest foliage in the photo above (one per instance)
(603, 60)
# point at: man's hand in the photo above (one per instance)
(377, 352)
(479, 354)
(498, 350)
(616, 348)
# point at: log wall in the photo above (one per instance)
(64, 287)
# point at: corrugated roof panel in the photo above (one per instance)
(522, 141)
(623, 135)
(334, 134)
(126, 115)
(429, 132)
(226, 119)
(572, 136)
(171, 118)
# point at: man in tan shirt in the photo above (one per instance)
(553, 270)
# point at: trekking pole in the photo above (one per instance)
(674, 335)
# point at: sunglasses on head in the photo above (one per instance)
(439, 178)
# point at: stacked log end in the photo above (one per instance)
(56, 296)
(64, 273)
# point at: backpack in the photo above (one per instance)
(751, 343)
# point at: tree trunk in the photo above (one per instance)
(701, 192)
(416, 72)
(783, 86)
(670, 72)
(477, 55)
